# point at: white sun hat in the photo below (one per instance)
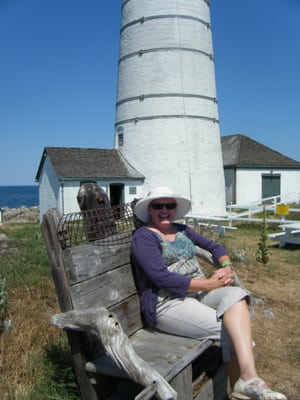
(141, 207)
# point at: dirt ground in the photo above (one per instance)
(276, 322)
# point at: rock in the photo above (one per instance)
(3, 237)
(257, 301)
(21, 214)
(269, 313)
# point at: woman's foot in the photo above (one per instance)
(254, 389)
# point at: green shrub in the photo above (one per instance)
(262, 253)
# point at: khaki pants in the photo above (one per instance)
(199, 315)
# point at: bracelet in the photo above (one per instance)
(226, 263)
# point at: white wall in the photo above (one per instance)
(290, 185)
(68, 196)
(166, 103)
(249, 184)
(48, 188)
(69, 189)
(229, 185)
(55, 194)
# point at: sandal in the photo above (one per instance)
(254, 389)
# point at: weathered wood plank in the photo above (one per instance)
(54, 251)
(105, 290)
(87, 261)
(129, 314)
(182, 383)
(169, 354)
(215, 388)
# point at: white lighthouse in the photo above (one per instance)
(166, 112)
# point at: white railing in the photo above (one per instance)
(247, 213)
(256, 207)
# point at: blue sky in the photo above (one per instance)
(58, 76)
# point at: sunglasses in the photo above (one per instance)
(160, 206)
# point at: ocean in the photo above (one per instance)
(18, 196)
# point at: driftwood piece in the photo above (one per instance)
(106, 326)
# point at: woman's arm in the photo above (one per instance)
(146, 255)
(221, 277)
(216, 249)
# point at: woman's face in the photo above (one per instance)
(162, 211)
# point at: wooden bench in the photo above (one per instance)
(115, 357)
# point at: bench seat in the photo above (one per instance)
(168, 354)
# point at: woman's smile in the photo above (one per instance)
(162, 211)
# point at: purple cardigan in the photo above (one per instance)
(151, 272)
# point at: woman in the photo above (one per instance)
(177, 298)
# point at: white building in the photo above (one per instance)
(254, 171)
(166, 113)
(62, 170)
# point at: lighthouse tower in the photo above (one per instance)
(166, 112)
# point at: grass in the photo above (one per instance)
(276, 285)
(35, 359)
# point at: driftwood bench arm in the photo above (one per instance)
(106, 326)
(148, 392)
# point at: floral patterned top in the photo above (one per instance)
(179, 257)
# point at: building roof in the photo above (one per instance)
(241, 151)
(80, 164)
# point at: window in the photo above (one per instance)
(120, 132)
(132, 189)
(121, 139)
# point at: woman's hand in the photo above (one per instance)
(225, 275)
(220, 278)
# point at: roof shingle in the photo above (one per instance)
(240, 150)
(80, 163)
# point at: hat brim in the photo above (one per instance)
(142, 206)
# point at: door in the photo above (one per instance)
(270, 185)
(116, 194)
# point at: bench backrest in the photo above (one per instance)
(91, 274)
(102, 276)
